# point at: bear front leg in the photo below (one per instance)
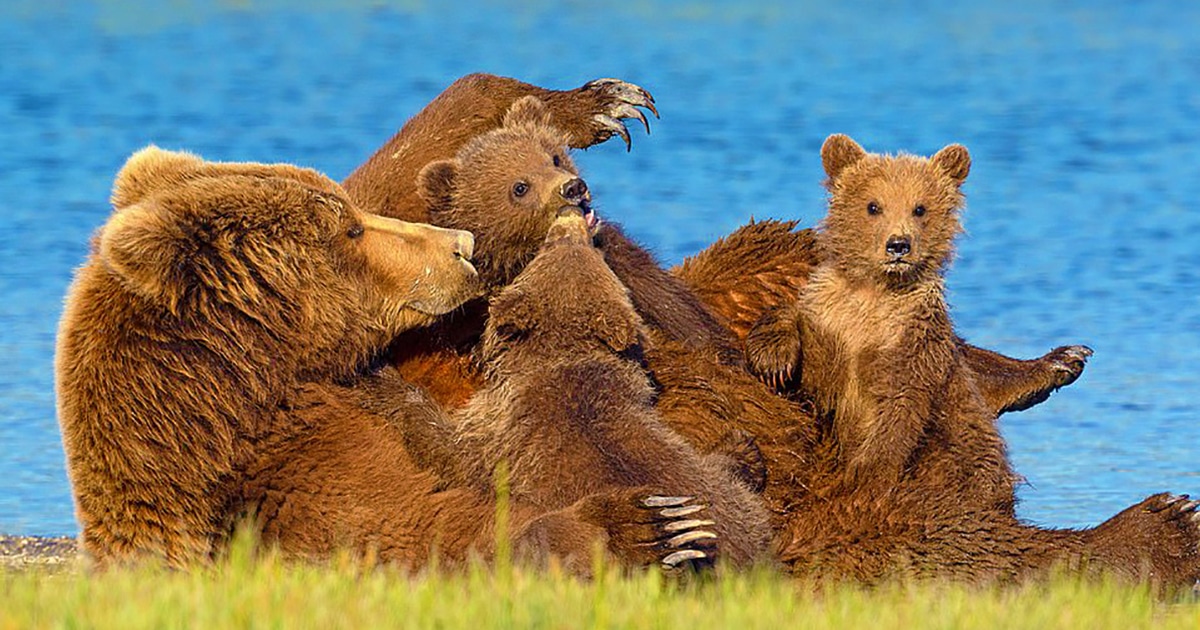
(774, 346)
(475, 104)
(1009, 384)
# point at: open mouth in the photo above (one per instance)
(589, 216)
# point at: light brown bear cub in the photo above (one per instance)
(210, 296)
(570, 408)
(871, 333)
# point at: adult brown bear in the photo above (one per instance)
(200, 348)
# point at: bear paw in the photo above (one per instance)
(645, 528)
(617, 101)
(1157, 539)
(773, 350)
(1067, 363)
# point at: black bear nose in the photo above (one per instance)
(898, 246)
(575, 191)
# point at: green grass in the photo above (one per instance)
(265, 592)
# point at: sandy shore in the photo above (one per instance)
(29, 551)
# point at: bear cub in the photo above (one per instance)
(570, 409)
(871, 336)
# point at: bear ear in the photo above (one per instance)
(619, 334)
(149, 170)
(435, 184)
(142, 246)
(510, 314)
(954, 161)
(527, 110)
(838, 152)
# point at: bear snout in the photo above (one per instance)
(575, 192)
(898, 246)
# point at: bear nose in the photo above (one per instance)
(898, 246)
(574, 191)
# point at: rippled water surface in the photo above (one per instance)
(1083, 122)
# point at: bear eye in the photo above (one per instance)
(355, 231)
(872, 208)
(919, 211)
(520, 188)
(557, 161)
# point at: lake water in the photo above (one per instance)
(1083, 121)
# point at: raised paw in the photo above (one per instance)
(773, 350)
(618, 101)
(1068, 363)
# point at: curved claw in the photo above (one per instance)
(679, 526)
(690, 537)
(614, 126)
(626, 92)
(677, 512)
(625, 110)
(674, 559)
(666, 502)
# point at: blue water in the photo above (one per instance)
(1083, 121)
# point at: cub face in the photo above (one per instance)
(892, 219)
(506, 187)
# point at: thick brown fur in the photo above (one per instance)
(872, 325)
(476, 105)
(911, 477)
(763, 265)
(570, 409)
(211, 294)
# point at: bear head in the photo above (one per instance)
(506, 187)
(277, 249)
(891, 219)
(565, 303)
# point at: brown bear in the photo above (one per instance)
(871, 342)
(763, 265)
(702, 391)
(212, 291)
(199, 353)
(570, 409)
(879, 352)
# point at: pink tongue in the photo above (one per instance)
(591, 219)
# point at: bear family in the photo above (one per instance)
(702, 392)
(203, 375)
(565, 386)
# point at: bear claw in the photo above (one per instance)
(677, 512)
(690, 537)
(620, 100)
(625, 92)
(612, 126)
(679, 526)
(661, 501)
(673, 560)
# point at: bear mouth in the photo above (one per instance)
(590, 217)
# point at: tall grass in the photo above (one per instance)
(249, 590)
